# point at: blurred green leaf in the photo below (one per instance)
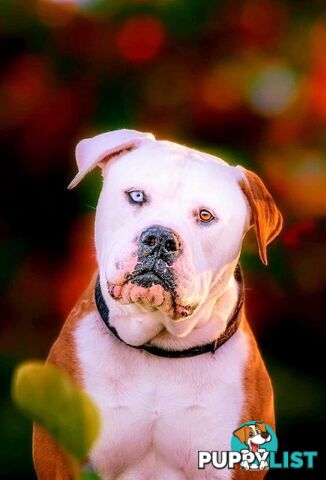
(47, 396)
(87, 475)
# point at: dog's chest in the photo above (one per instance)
(157, 413)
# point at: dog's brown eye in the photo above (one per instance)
(205, 216)
(251, 434)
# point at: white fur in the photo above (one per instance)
(256, 438)
(178, 181)
(156, 412)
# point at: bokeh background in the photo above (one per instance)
(244, 80)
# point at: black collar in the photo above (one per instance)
(230, 330)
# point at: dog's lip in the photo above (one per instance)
(182, 312)
(149, 275)
(145, 272)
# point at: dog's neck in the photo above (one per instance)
(138, 327)
(210, 319)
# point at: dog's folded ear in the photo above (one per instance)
(265, 216)
(241, 433)
(95, 151)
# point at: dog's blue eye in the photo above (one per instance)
(137, 196)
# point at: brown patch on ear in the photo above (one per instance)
(261, 426)
(265, 216)
(242, 433)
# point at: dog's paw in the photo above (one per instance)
(244, 465)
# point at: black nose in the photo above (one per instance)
(160, 242)
(264, 434)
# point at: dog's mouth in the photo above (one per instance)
(254, 447)
(149, 278)
(150, 272)
(153, 288)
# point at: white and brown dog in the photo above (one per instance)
(160, 340)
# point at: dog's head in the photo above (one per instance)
(170, 220)
(253, 435)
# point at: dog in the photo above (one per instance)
(160, 339)
(254, 435)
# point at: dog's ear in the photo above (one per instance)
(261, 426)
(241, 433)
(97, 150)
(265, 216)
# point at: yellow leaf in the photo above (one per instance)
(47, 395)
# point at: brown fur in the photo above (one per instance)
(50, 462)
(265, 216)
(259, 398)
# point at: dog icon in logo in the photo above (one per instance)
(253, 435)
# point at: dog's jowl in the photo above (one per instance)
(160, 339)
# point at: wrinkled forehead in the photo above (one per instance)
(168, 167)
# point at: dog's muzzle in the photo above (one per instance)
(153, 281)
(159, 247)
(160, 242)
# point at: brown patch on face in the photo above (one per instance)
(261, 426)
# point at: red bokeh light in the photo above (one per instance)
(140, 38)
(283, 130)
(260, 23)
(26, 80)
(295, 233)
(219, 95)
(317, 94)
